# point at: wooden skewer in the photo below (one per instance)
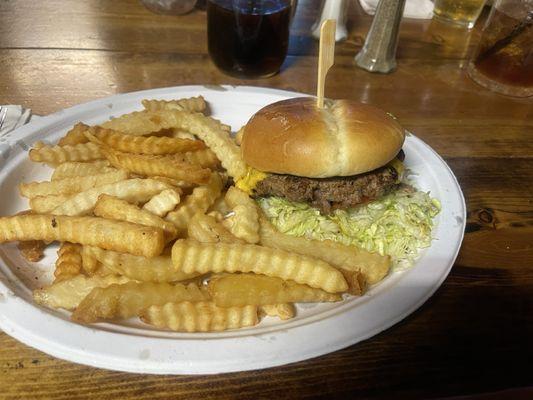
(326, 54)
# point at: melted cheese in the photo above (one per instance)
(248, 182)
(399, 167)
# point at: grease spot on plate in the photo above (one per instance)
(145, 354)
(459, 220)
(4, 296)
(216, 87)
(307, 306)
(264, 338)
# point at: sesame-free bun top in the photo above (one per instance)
(344, 138)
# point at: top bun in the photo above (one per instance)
(344, 138)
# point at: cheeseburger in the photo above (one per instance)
(330, 158)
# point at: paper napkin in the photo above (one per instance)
(15, 116)
(421, 9)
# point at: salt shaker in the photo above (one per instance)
(379, 51)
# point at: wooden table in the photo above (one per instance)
(473, 336)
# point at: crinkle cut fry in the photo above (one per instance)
(199, 200)
(154, 145)
(155, 269)
(217, 139)
(150, 165)
(204, 158)
(199, 317)
(108, 234)
(114, 208)
(74, 136)
(59, 154)
(373, 266)
(162, 203)
(191, 104)
(283, 311)
(89, 262)
(69, 292)
(244, 223)
(132, 190)
(77, 168)
(247, 288)
(45, 204)
(68, 262)
(70, 185)
(129, 299)
(206, 229)
(177, 184)
(190, 256)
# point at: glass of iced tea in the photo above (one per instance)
(460, 12)
(503, 61)
(248, 38)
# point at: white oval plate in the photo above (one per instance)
(134, 347)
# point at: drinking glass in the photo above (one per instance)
(459, 12)
(248, 38)
(503, 61)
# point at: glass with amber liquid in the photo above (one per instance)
(248, 38)
(503, 61)
(460, 12)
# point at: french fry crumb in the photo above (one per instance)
(32, 250)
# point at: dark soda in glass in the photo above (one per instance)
(248, 38)
(503, 61)
(512, 64)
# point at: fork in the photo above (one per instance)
(3, 115)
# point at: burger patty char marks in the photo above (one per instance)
(329, 194)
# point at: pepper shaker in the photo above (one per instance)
(379, 51)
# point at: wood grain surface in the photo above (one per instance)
(472, 337)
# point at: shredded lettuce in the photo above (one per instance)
(398, 225)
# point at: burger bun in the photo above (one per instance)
(344, 138)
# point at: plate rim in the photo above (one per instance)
(22, 333)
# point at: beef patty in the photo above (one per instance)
(329, 194)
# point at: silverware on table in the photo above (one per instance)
(3, 115)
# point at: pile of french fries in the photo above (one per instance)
(150, 226)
